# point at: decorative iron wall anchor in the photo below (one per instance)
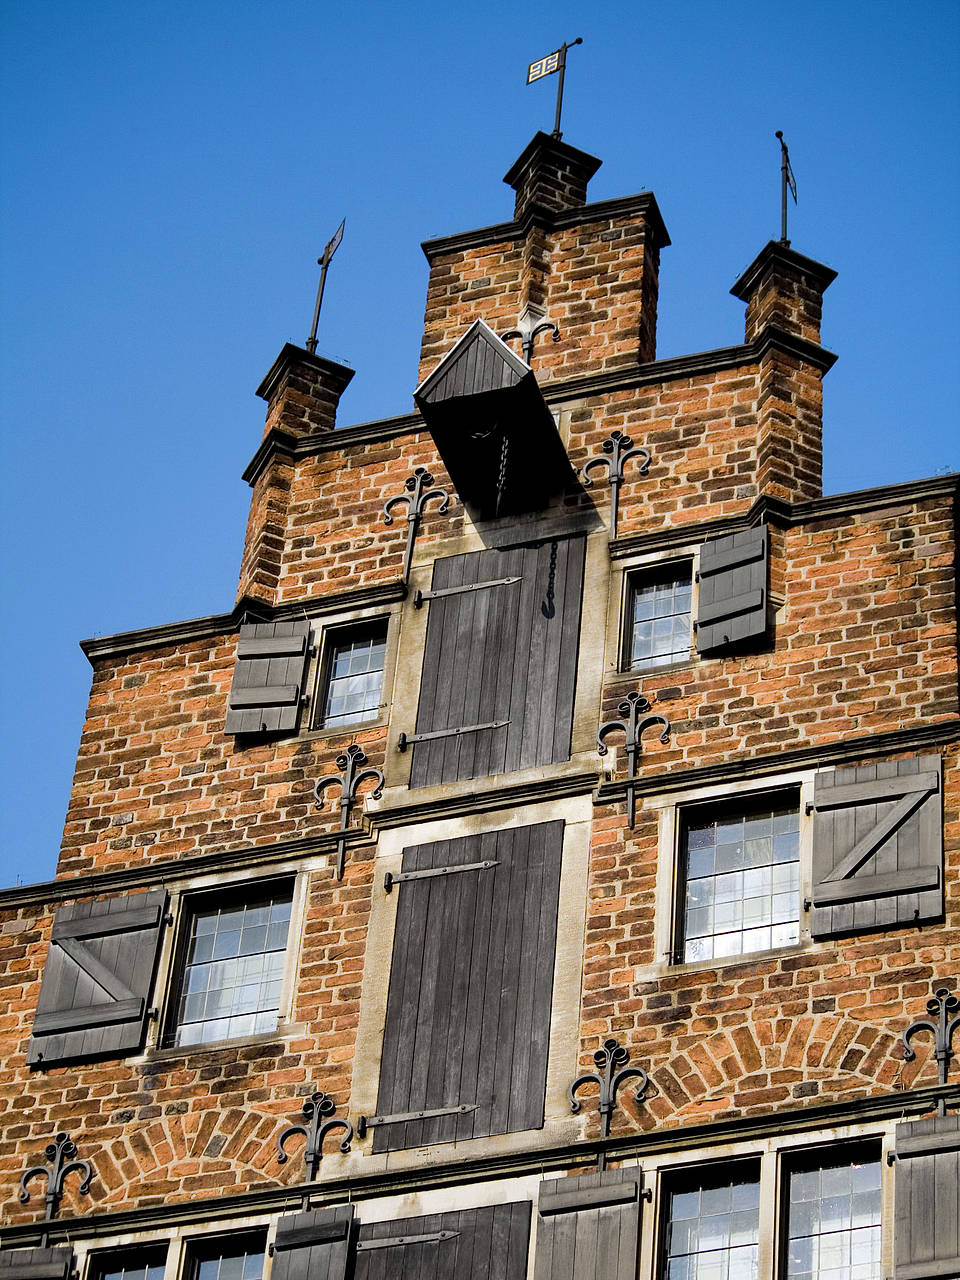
(417, 496)
(348, 781)
(619, 449)
(528, 334)
(61, 1153)
(611, 1072)
(632, 727)
(316, 1108)
(942, 1004)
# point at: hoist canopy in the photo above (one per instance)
(492, 427)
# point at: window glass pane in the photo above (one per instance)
(242, 1261)
(142, 1264)
(232, 978)
(355, 677)
(741, 887)
(834, 1227)
(713, 1228)
(659, 624)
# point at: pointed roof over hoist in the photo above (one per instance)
(492, 427)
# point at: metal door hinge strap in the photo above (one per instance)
(406, 738)
(420, 596)
(394, 1242)
(389, 879)
(402, 1117)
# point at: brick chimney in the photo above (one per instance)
(590, 269)
(302, 392)
(550, 175)
(784, 292)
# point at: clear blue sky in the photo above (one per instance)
(173, 170)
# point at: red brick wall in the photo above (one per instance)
(596, 280)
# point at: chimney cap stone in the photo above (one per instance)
(335, 376)
(777, 254)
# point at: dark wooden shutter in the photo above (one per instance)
(94, 997)
(468, 1006)
(473, 1244)
(927, 1198)
(504, 654)
(36, 1264)
(268, 678)
(877, 846)
(588, 1228)
(732, 609)
(313, 1246)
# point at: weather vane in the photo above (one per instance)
(786, 180)
(556, 61)
(323, 262)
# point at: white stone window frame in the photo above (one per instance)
(406, 675)
(637, 576)
(184, 898)
(775, 1156)
(670, 808)
(179, 1241)
(618, 663)
(324, 634)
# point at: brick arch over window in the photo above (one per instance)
(736, 1070)
(748, 1066)
(236, 1148)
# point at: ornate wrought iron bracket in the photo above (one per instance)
(633, 728)
(612, 1071)
(316, 1108)
(348, 781)
(528, 335)
(61, 1153)
(617, 449)
(941, 1004)
(416, 498)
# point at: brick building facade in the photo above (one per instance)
(617, 747)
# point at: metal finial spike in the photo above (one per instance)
(787, 180)
(323, 263)
(348, 780)
(553, 62)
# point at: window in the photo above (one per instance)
(353, 676)
(137, 1264)
(713, 1227)
(827, 1201)
(657, 631)
(241, 1259)
(740, 878)
(833, 1219)
(232, 970)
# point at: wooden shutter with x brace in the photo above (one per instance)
(94, 997)
(877, 846)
